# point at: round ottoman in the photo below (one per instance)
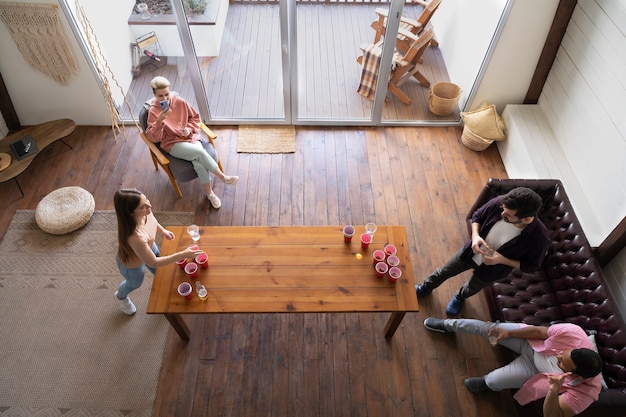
(65, 210)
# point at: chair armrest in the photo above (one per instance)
(403, 19)
(154, 149)
(208, 132)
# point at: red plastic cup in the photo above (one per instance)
(181, 264)
(348, 232)
(191, 269)
(185, 290)
(202, 260)
(390, 250)
(394, 274)
(366, 239)
(381, 269)
(393, 260)
(378, 255)
(194, 247)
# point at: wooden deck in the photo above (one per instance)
(245, 80)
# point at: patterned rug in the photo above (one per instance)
(65, 347)
(266, 139)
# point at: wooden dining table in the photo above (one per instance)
(285, 269)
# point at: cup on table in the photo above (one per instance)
(191, 269)
(390, 250)
(379, 256)
(366, 239)
(370, 229)
(181, 263)
(381, 269)
(394, 274)
(194, 247)
(194, 232)
(348, 232)
(393, 260)
(184, 289)
(202, 260)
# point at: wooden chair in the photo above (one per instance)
(407, 65)
(406, 25)
(178, 170)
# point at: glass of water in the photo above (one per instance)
(194, 232)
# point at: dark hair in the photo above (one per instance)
(588, 363)
(126, 201)
(524, 201)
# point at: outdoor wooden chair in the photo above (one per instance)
(178, 170)
(416, 27)
(407, 65)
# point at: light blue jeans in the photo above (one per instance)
(509, 376)
(133, 277)
(202, 162)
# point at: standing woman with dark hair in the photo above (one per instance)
(136, 231)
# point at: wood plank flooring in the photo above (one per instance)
(311, 364)
(245, 81)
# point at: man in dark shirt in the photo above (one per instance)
(506, 234)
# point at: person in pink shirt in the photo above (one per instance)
(176, 126)
(556, 363)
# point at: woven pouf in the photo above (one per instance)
(64, 210)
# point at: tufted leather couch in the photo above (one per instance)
(570, 287)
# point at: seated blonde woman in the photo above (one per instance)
(176, 126)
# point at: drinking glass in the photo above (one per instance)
(370, 229)
(194, 232)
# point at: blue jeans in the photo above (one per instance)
(133, 277)
(202, 162)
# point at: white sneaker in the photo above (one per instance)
(230, 180)
(126, 305)
(215, 200)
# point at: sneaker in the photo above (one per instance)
(476, 385)
(421, 291)
(215, 200)
(230, 180)
(454, 306)
(126, 305)
(435, 325)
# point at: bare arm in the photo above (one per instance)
(144, 253)
(553, 405)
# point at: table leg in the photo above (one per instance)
(392, 324)
(179, 325)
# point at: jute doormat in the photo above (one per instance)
(266, 139)
(65, 346)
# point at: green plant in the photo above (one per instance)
(192, 7)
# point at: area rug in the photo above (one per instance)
(66, 349)
(266, 139)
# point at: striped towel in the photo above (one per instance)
(369, 71)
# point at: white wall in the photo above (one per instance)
(37, 98)
(515, 56)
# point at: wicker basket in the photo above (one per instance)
(473, 141)
(443, 98)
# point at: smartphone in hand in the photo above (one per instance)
(165, 105)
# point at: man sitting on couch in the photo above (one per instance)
(506, 234)
(557, 363)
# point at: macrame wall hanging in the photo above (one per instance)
(37, 32)
(106, 75)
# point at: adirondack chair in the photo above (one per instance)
(406, 24)
(407, 65)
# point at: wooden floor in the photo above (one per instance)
(245, 80)
(312, 364)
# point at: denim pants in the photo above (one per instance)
(202, 162)
(509, 376)
(133, 277)
(454, 267)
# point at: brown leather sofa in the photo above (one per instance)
(569, 287)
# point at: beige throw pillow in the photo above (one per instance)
(485, 122)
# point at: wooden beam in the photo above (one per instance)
(550, 48)
(615, 242)
(7, 109)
